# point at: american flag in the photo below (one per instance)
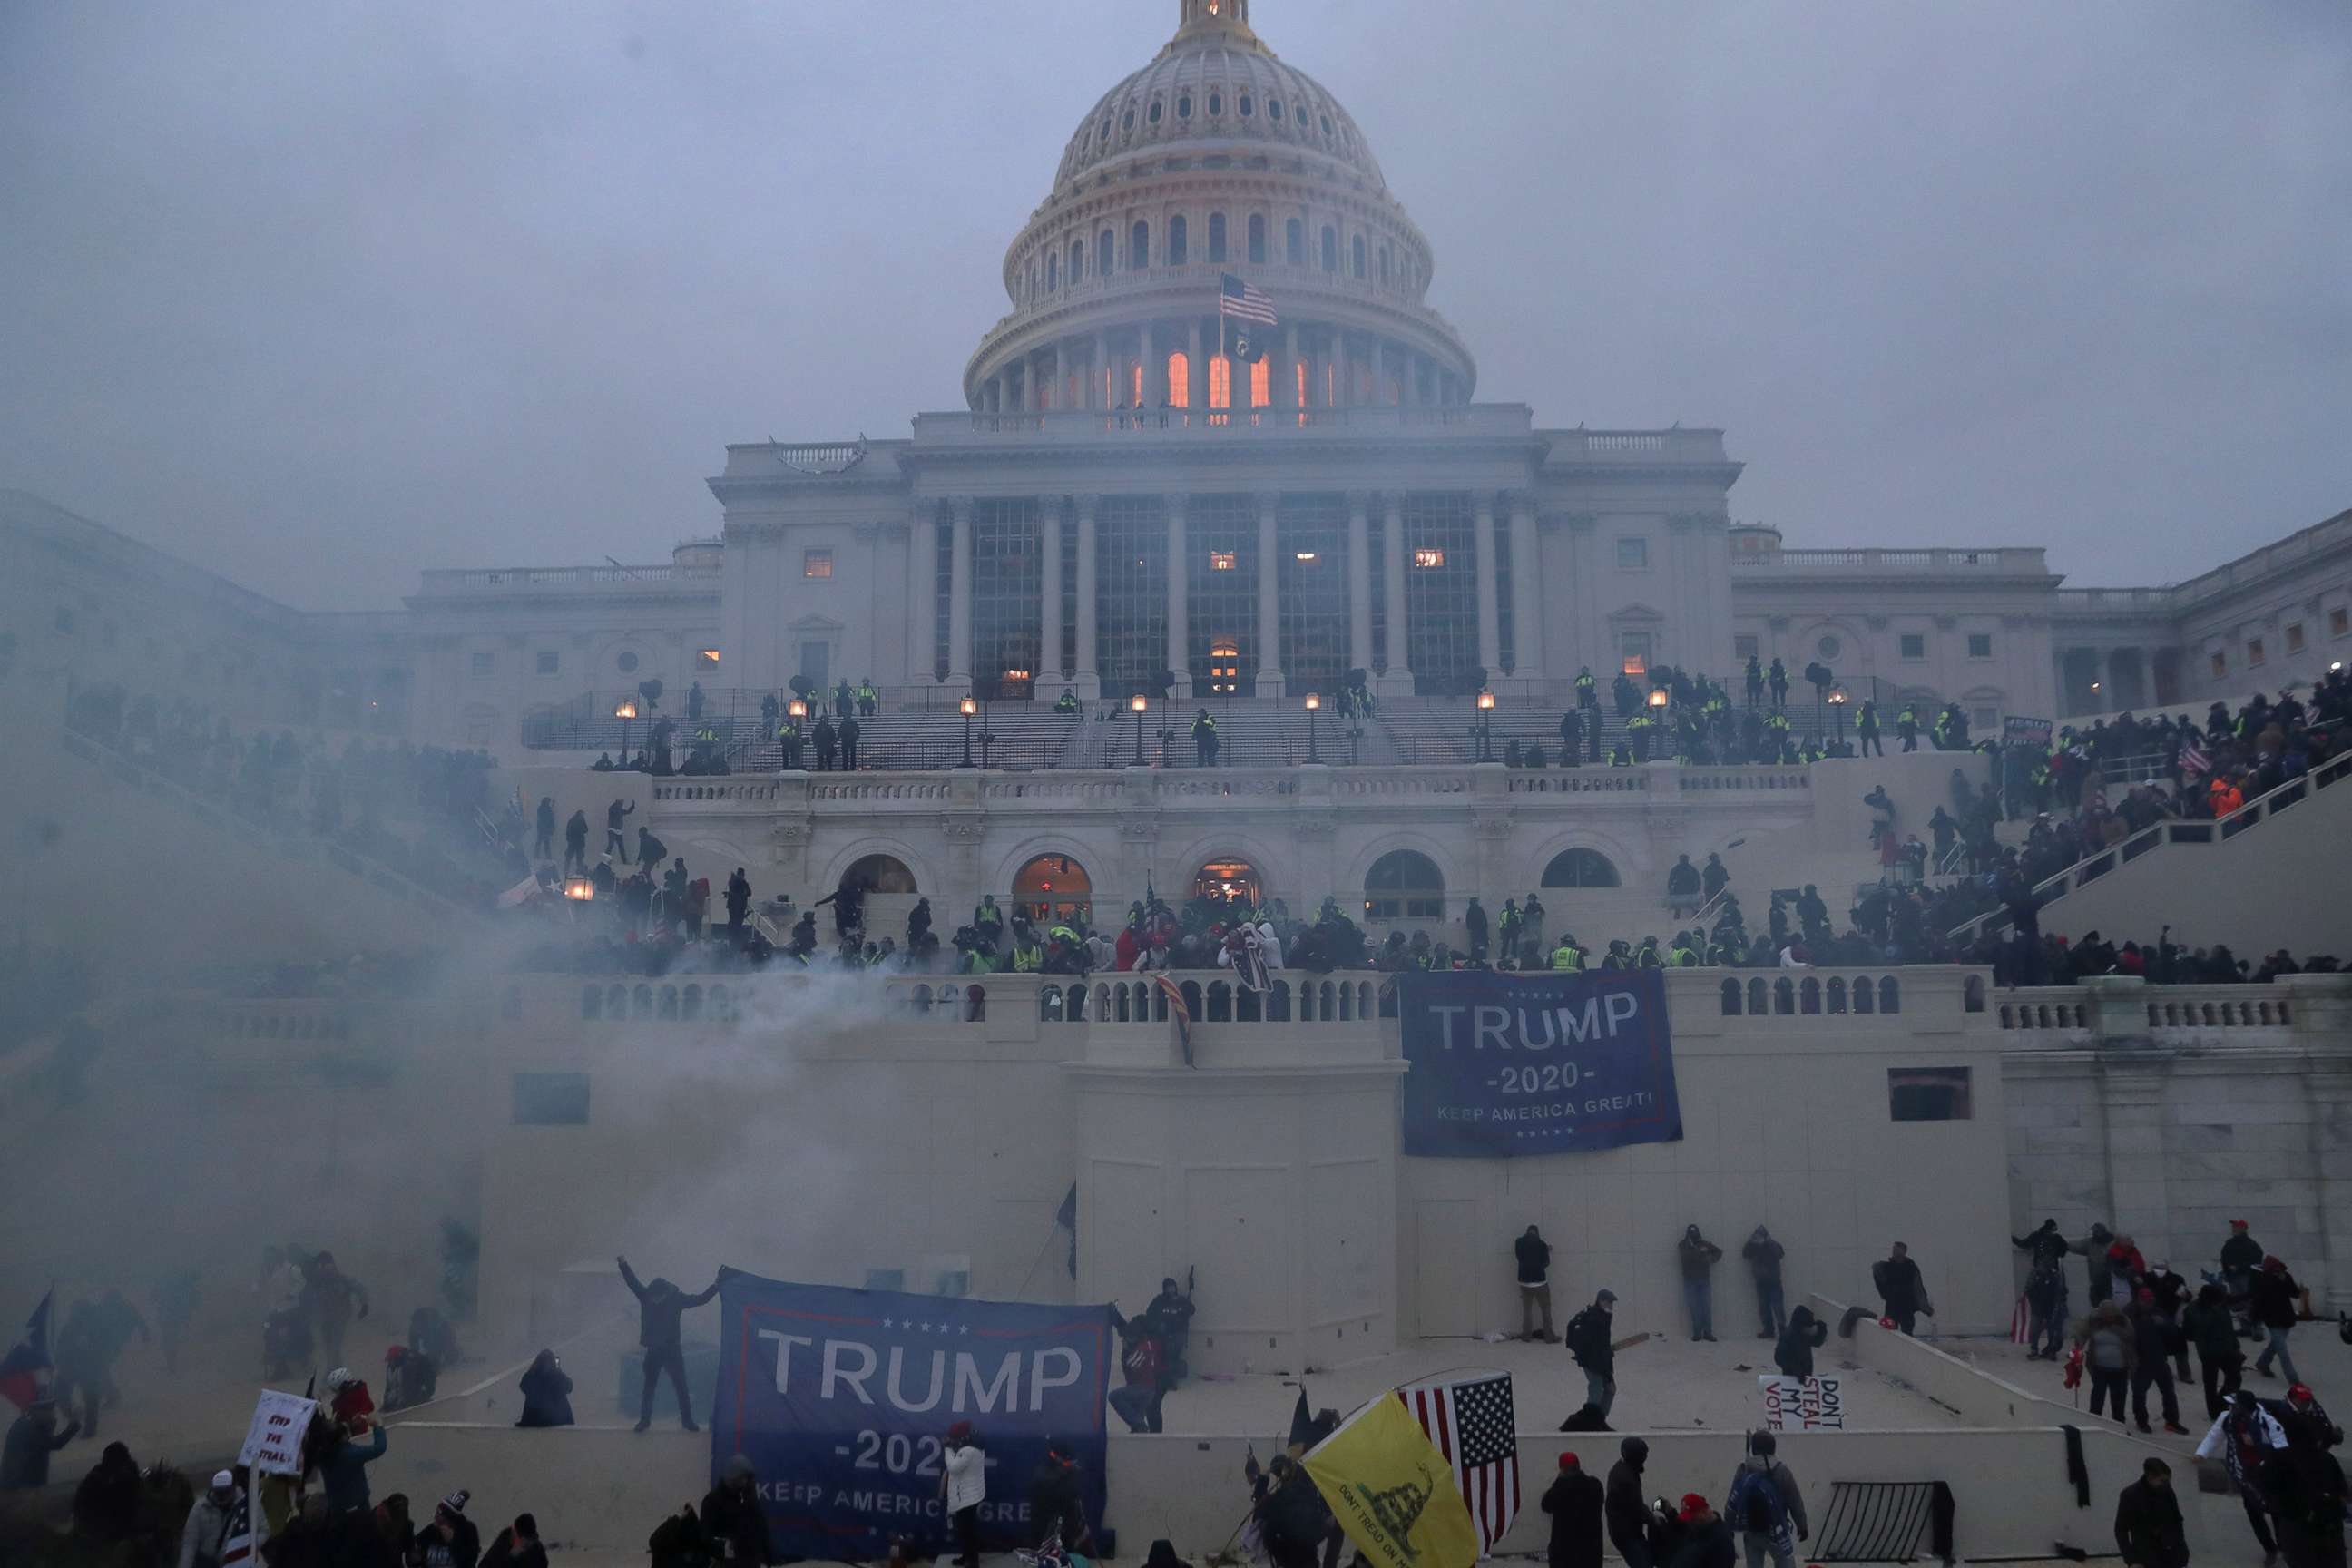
(1178, 1013)
(1236, 297)
(2193, 761)
(1473, 1425)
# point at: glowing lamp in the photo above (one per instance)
(625, 710)
(580, 888)
(1837, 696)
(1137, 702)
(1486, 702)
(968, 707)
(1313, 701)
(797, 709)
(1658, 697)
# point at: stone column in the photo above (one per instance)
(995, 401)
(1269, 595)
(1049, 616)
(959, 594)
(1154, 371)
(1180, 639)
(1196, 378)
(2103, 670)
(1398, 678)
(1490, 617)
(1359, 582)
(1061, 375)
(1527, 590)
(922, 593)
(1347, 395)
(1287, 398)
(1107, 395)
(1087, 678)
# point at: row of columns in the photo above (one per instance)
(1332, 366)
(1526, 589)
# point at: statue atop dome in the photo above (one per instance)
(1229, 17)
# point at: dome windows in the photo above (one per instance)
(1358, 256)
(1054, 272)
(1294, 243)
(1216, 237)
(1327, 128)
(1127, 122)
(1105, 135)
(1274, 109)
(1176, 240)
(1216, 104)
(1247, 105)
(1257, 238)
(1184, 106)
(1105, 244)
(1138, 245)
(1330, 250)
(1152, 115)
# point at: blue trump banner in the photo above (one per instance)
(842, 1400)
(1542, 1063)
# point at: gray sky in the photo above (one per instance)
(320, 295)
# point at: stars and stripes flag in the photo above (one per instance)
(1473, 1423)
(1178, 1013)
(1238, 300)
(2192, 760)
(21, 1379)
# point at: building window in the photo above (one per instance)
(1054, 272)
(1007, 591)
(816, 563)
(1223, 577)
(2339, 621)
(1980, 645)
(483, 663)
(1983, 718)
(626, 664)
(1633, 555)
(1132, 593)
(1184, 106)
(1580, 868)
(550, 1099)
(1634, 652)
(1138, 245)
(1404, 884)
(1311, 588)
(1221, 560)
(1176, 241)
(1077, 261)
(1151, 115)
(1216, 237)
(1914, 645)
(2220, 664)
(1428, 559)
(1927, 1094)
(1745, 647)
(2255, 654)
(1257, 238)
(1104, 247)
(1216, 104)
(706, 658)
(549, 661)
(1441, 596)
(1248, 105)
(1294, 243)
(1357, 255)
(2294, 638)
(1330, 250)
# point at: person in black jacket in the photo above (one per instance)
(1628, 1514)
(32, 1438)
(450, 1541)
(2273, 1305)
(1590, 1341)
(1764, 1254)
(2242, 1255)
(1533, 1255)
(546, 1393)
(1576, 1502)
(732, 1522)
(1900, 1288)
(2210, 1327)
(659, 1306)
(2148, 1530)
(1804, 1335)
(2152, 1363)
(677, 1541)
(1057, 1498)
(2042, 1245)
(1708, 1540)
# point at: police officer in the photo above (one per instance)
(1568, 955)
(1204, 738)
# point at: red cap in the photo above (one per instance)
(2237, 1224)
(1568, 1461)
(1693, 1504)
(2299, 1394)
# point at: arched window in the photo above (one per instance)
(1105, 246)
(1257, 238)
(1810, 991)
(1294, 243)
(1261, 384)
(1404, 884)
(1077, 261)
(1138, 245)
(1179, 380)
(1580, 868)
(1176, 240)
(1054, 272)
(1228, 879)
(1216, 237)
(1330, 250)
(592, 1003)
(1864, 999)
(1388, 265)
(1890, 995)
(1357, 255)
(1184, 106)
(1051, 886)
(1153, 113)
(879, 874)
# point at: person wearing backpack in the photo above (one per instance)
(1764, 1505)
(1589, 1341)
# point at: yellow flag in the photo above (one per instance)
(1393, 1491)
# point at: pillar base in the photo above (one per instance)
(1271, 683)
(1089, 686)
(1183, 688)
(1393, 683)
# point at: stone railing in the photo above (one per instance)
(1693, 445)
(496, 580)
(2011, 560)
(2124, 1007)
(1214, 424)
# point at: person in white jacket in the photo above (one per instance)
(963, 1479)
(209, 1522)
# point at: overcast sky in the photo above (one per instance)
(320, 295)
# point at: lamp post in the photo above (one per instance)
(1652, 747)
(969, 707)
(798, 709)
(625, 710)
(1137, 704)
(1314, 706)
(1837, 706)
(1485, 726)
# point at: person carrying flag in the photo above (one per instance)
(25, 1461)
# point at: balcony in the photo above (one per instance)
(1480, 421)
(2009, 562)
(502, 582)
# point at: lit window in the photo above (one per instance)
(816, 563)
(1304, 555)
(706, 658)
(2339, 621)
(1633, 554)
(1744, 647)
(1180, 381)
(1429, 560)
(1927, 1094)
(2220, 664)
(1261, 384)
(2294, 638)
(626, 664)
(2254, 651)
(1980, 645)
(483, 663)
(549, 661)
(1634, 651)
(1914, 645)
(1221, 383)
(1221, 560)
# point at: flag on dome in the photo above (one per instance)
(1239, 299)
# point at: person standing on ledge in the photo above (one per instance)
(1534, 1255)
(659, 1306)
(963, 1482)
(1901, 1290)
(1763, 1255)
(1698, 1258)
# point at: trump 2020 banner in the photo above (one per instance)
(1544, 1064)
(842, 1400)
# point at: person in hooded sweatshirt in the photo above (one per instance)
(1625, 1509)
(106, 1503)
(1576, 1502)
(207, 1530)
(1765, 1506)
(1057, 1497)
(546, 1393)
(659, 1306)
(1804, 1335)
(1763, 1255)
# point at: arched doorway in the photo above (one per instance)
(1581, 869)
(1052, 887)
(879, 874)
(1404, 884)
(1228, 879)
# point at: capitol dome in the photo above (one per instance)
(1217, 160)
